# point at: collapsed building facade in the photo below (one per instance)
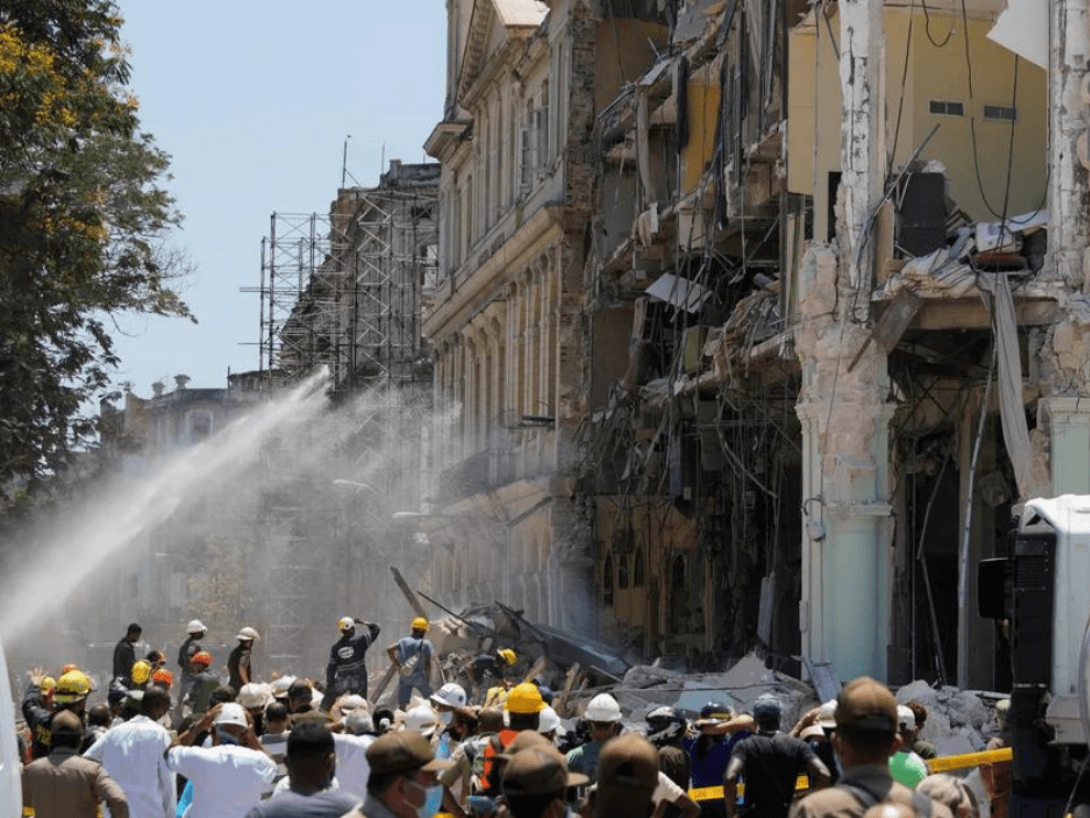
(756, 320)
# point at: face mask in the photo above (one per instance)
(433, 799)
(445, 717)
(225, 736)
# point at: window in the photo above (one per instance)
(622, 573)
(1001, 112)
(200, 426)
(946, 107)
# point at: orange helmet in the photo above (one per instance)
(162, 677)
(202, 657)
(68, 667)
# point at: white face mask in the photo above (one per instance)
(445, 717)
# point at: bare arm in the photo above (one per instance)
(730, 784)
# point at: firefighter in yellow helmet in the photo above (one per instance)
(71, 693)
(492, 672)
(412, 656)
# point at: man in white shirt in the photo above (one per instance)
(132, 753)
(229, 777)
(351, 746)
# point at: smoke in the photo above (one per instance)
(282, 521)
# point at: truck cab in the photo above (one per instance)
(1040, 592)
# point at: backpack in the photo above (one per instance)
(921, 804)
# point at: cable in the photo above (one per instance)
(927, 28)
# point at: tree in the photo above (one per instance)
(83, 224)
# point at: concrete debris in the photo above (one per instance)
(958, 721)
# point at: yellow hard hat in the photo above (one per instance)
(72, 686)
(141, 671)
(508, 656)
(525, 698)
(420, 624)
(49, 684)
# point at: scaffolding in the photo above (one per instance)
(346, 292)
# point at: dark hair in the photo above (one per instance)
(919, 711)
(309, 739)
(531, 806)
(99, 715)
(154, 697)
(378, 783)
(66, 738)
(222, 694)
(155, 656)
(524, 721)
(276, 711)
(380, 714)
(134, 628)
(866, 741)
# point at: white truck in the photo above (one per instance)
(1041, 593)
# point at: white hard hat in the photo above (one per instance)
(359, 721)
(232, 713)
(279, 687)
(248, 635)
(253, 695)
(195, 626)
(422, 719)
(905, 717)
(827, 715)
(603, 707)
(450, 694)
(353, 701)
(346, 623)
(548, 721)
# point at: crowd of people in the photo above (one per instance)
(292, 747)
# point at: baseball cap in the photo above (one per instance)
(232, 713)
(628, 761)
(538, 771)
(401, 752)
(866, 704)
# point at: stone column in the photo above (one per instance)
(1068, 154)
(1069, 425)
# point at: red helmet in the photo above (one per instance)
(162, 677)
(202, 657)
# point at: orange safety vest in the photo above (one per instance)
(498, 743)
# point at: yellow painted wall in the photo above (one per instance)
(934, 73)
(704, 95)
(624, 55)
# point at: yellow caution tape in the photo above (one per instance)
(716, 793)
(944, 763)
(935, 765)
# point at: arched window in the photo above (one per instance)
(607, 580)
(622, 572)
(639, 570)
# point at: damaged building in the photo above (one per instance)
(755, 320)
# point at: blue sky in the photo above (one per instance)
(253, 101)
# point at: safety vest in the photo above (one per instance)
(497, 744)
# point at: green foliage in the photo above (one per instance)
(83, 223)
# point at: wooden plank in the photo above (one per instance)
(409, 595)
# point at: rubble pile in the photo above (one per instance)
(646, 687)
(958, 721)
